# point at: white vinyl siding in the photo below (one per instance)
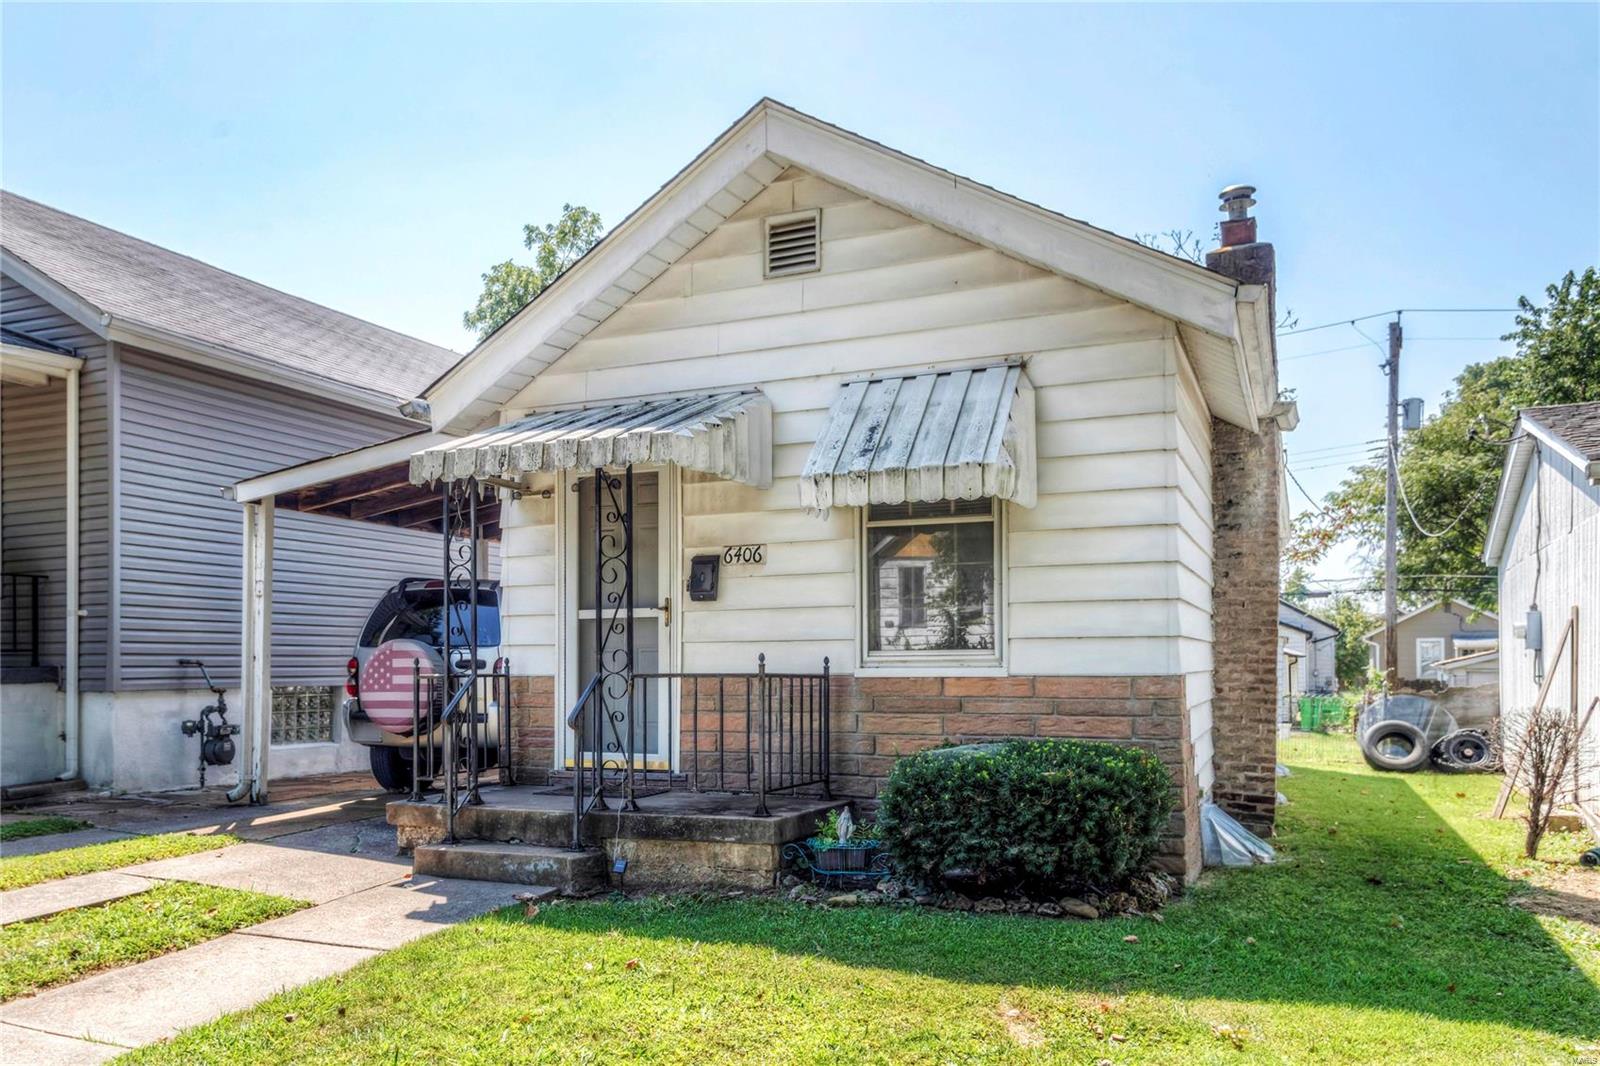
(1109, 574)
(1557, 571)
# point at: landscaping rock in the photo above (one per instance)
(955, 901)
(1120, 903)
(803, 891)
(1019, 906)
(990, 905)
(891, 888)
(1077, 908)
(1049, 910)
(844, 899)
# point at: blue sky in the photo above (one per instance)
(377, 158)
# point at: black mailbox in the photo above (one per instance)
(703, 577)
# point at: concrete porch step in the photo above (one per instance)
(569, 872)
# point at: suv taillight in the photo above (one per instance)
(354, 667)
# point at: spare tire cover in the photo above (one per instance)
(387, 692)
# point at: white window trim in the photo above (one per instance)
(932, 663)
(1443, 650)
(767, 223)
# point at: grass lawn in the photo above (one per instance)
(35, 955)
(38, 827)
(1384, 935)
(23, 870)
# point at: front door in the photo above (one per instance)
(619, 561)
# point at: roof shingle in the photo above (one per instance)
(141, 282)
(1576, 423)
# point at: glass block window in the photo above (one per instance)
(303, 714)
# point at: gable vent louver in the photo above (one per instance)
(793, 244)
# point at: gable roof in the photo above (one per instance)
(1285, 605)
(1225, 326)
(1424, 609)
(139, 293)
(1572, 430)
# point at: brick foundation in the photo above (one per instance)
(533, 735)
(878, 719)
(1245, 488)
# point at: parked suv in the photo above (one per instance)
(404, 635)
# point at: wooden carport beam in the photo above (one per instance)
(388, 502)
(355, 487)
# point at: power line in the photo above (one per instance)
(1400, 483)
(1317, 506)
(1404, 311)
(1354, 347)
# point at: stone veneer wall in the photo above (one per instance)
(1245, 489)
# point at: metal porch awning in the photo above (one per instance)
(728, 434)
(950, 435)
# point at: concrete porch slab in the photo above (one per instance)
(388, 916)
(53, 897)
(47, 1049)
(316, 865)
(154, 1000)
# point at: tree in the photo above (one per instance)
(1351, 655)
(508, 286)
(1450, 467)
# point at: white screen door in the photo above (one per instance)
(650, 739)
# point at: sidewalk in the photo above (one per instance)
(335, 853)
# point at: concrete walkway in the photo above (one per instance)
(366, 903)
(53, 897)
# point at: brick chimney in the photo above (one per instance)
(1245, 487)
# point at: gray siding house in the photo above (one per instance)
(1445, 629)
(137, 383)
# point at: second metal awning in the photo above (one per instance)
(728, 434)
(951, 435)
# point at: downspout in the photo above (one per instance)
(71, 728)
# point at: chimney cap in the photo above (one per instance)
(1237, 200)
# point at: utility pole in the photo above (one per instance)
(1391, 524)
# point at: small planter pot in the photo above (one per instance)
(831, 862)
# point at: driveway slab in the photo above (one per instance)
(139, 1004)
(47, 1049)
(388, 916)
(53, 897)
(60, 841)
(317, 865)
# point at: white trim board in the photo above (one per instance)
(762, 144)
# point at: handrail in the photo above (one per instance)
(575, 723)
(574, 719)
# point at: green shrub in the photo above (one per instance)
(1026, 814)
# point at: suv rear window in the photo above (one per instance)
(419, 614)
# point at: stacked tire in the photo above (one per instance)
(1464, 751)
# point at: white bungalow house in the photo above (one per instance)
(993, 471)
(1544, 538)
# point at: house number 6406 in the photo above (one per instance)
(744, 553)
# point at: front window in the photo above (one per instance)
(1429, 651)
(931, 578)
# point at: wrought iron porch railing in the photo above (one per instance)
(22, 629)
(761, 733)
(450, 739)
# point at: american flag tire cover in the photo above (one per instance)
(386, 682)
